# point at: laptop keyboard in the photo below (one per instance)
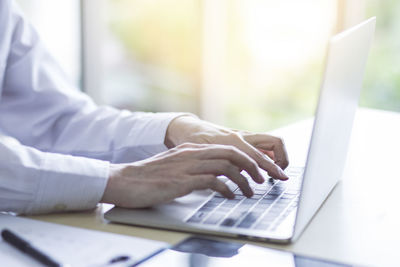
(271, 203)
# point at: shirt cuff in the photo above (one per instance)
(151, 136)
(70, 183)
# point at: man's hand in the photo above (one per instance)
(178, 172)
(199, 153)
(267, 151)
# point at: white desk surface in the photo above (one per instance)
(360, 221)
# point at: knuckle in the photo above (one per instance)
(260, 157)
(242, 182)
(184, 190)
(185, 145)
(285, 161)
(224, 151)
(285, 166)
(225, 165)
(184, 152)
(251, 163)
(235, 169)
(234, 136)
(231, 150)
(254, 164)
(209, 180)
(279, 141)
(277, 169)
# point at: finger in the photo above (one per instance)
(270, 154)
(235, 156)
(270, 143)
(280, 155)
(224, 167)
(262, 160)
(208, 181)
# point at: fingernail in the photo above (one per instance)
(283, 175)
(260, 178)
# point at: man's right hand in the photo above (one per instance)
(178, 172)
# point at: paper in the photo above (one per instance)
(72, 246)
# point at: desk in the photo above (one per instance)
(359, 223)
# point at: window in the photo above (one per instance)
(272, 60)
(252, 64)
(150, 54)
(382, 80)
(58, 23)
(246, 64)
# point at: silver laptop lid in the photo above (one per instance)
(344, 71)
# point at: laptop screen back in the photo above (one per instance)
(344, 71)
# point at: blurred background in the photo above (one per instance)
(253, 64)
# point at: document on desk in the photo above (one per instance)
(73, 246)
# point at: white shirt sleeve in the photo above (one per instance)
(58, 118)
(62, 135)
(32, 181)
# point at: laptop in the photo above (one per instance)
(280, 210)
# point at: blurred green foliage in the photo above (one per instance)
(382, 80)
(164, 33)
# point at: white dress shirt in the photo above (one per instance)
(55, 143)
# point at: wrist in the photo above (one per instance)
(114, 173)
(178, 130)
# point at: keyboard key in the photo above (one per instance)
(239, 211)
(263, 186)
(198, 216)
(228, 222)
(249, 201)
(266, 200)
(273, 192)
(279, 186)
(284, 200)
(216, 200)
(256, 197)
(250, 219)
(259, 191)
(206, 209)
(232, 186)
(262, 226)
(279, 207)
(272, 214)
(230, 203)
(245, 225)
(291, 192)
(239, 197)
(238, 193)
(215, 218)
(268, 196)
(209, 205)
(235, 216)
